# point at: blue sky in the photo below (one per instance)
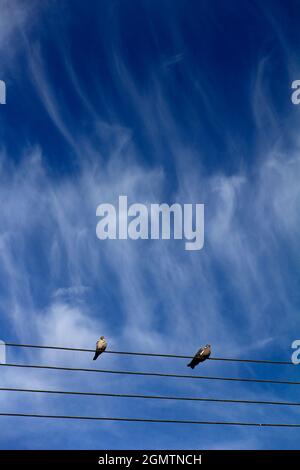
(164, 101)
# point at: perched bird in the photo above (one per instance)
(100, 347)
(200, 356)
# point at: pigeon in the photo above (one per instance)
(200, 356)
(100, 347)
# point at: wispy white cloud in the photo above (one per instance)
(173, 60)
(63, 286)
(71, 291)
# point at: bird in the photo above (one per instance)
(200, 356)
(101, 345)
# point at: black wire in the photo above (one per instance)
(150, 397)
(144, 420)
(152, 374)
(258, 361)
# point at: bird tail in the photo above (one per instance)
(191, 365)
(96, 355)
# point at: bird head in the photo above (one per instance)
(101, 337)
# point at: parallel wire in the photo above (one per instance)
(152, 374)
(150, 397)
(156, 397)
(257, 361)
(145, 420)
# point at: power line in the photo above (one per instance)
(61, 348)
(150, 397)
(145, 420)
(152, 374)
